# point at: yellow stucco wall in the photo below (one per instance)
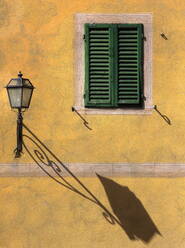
(37, 212)
(37, 37)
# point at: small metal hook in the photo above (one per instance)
(164, 36)
(82, 118)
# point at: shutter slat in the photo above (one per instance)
(99, 52)
(100, 97)
(131, 52)
(129, 64)
(128, 93)
(124, 68)
(100, 67)
(98, 31)
(100, 44)
(122, 72)
(99, 88)
(99, 74)
(127, 31)
(127, 88)
(99, 80)
(125, 36)
(100, 56)
(125, 44)
(98, 60)
(131, 41)
(99, 40)
(99, 85)
(127, 82)
(99, 49)
(99, 64)
(123, 48)
(127, 97)
(130, 84)
(131, 60)
(97, 36)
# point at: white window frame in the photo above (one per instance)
(79, 75)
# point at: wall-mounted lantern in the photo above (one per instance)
(19, 93)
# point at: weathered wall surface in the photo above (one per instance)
(37, 37)
(40, 213)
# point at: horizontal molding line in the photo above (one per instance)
(106, 169)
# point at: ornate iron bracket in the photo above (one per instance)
(18, 149)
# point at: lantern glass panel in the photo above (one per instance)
(27, 92)
(15, 97)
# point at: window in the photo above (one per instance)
(113, 65)
(115, 95)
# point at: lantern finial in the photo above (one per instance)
(20, 74)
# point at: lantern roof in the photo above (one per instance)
(20, 82)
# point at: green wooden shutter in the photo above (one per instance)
(113, 65)
(130, 63)
(98, 64)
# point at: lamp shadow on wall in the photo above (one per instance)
(129, 213)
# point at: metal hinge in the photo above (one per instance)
(143, 37)
(84, 37)
(143, 97)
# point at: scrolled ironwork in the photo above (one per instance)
(44, 158)
(108, 218)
